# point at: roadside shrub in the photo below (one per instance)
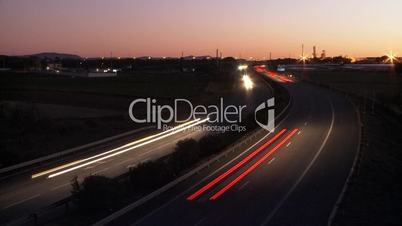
(149, 175)
(209, 145)
(398, 68)
(97, 193)
(186, 154)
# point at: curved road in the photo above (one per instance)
(21, 196)
(295, 180)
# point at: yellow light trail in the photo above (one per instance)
(127, 149)
(113, 150)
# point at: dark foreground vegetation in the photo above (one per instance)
(98, 196)
(374, 196)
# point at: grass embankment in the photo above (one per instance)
(30, 130)
(374, 196)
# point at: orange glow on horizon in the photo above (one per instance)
(166, 28)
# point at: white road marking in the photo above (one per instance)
(21, 201)
(102, 162)
(244, 185)
(271, 161)
(207, 177)
(89, 167)
(97, 172)
(279, 205)
(125, 161)
(60, 186)
(135, 164)
(200, 221)
(131, 166)
(298, 133)
(288, 144)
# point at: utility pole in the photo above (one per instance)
(217, 59)
(111, 59)
(314, 52)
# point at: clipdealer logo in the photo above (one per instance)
(164, 114)
(229, 117)
(268, 107)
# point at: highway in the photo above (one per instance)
(293, 176)
(22, 194)
(31, 191)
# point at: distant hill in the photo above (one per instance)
(52, 55)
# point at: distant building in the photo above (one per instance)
(314, 52)
(53, 66)
(323, 54)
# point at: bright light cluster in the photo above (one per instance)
(247, 82)
(392, 58)
(303, 59)
(242, 67)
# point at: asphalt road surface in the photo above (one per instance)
(294, 179)
(22, 195)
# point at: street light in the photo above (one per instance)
(392, 58)
(303, 59)
(242, 67)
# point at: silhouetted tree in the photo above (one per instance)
(398, 68)
(149, 175)
(186, 154)
(97, 193)
(209, 144)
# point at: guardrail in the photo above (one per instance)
(362, 140)
(38, 161)
(361, 143)
(255, 133)
(33, 219)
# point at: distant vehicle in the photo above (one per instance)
(281, 68)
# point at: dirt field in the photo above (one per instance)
(385, 87)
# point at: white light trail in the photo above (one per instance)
(127, 149)
(113, 150)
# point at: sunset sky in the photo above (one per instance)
(166, 27)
